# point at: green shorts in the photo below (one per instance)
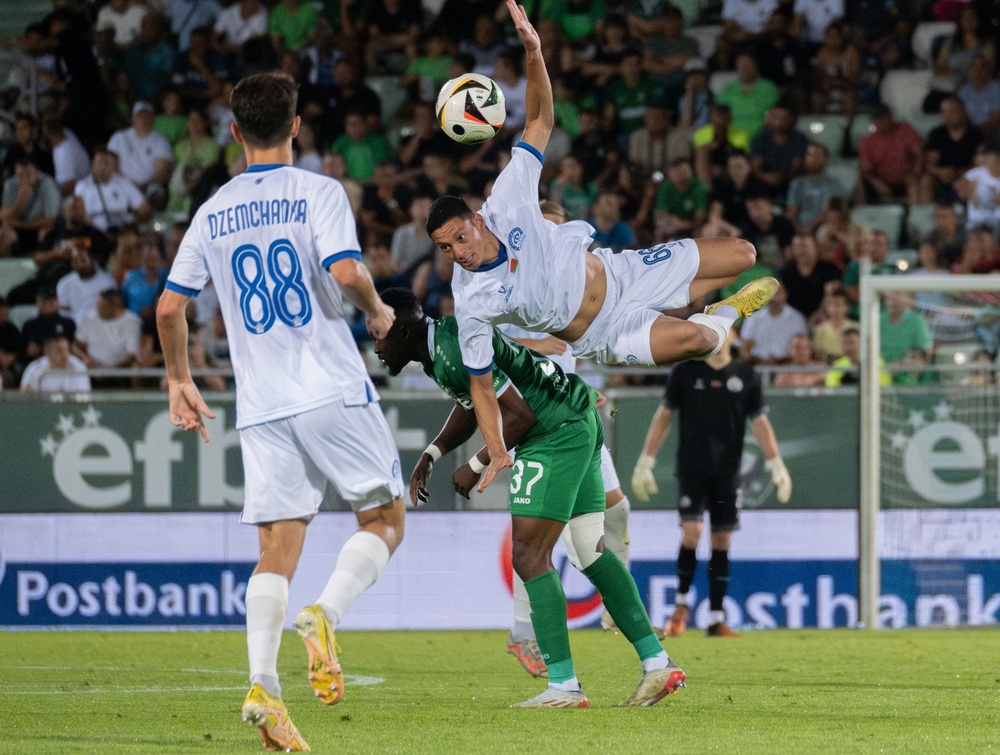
(558, 475)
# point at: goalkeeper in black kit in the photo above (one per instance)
(715, 398)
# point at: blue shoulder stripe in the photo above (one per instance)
(483, 371)
(339, 256)
(171, 286)
(532, 150)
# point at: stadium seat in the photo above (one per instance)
(860, 126)
(904, 92)
(706, 37)
(919, 221)
(924, 122)
(390, 93)
(691, 10)
(924, 37)
(719, 80)
(828, 130)
(882, 217)
(21, 313)
(14, 271)
(845, 171)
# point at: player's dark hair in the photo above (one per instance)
(264, 107)
(405, 305)
(444, 209)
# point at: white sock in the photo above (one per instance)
(716, 617)
(523, 629)
(719, 321)
(267, 602)
(656, 662)
(616, 529)
(570, 685)
(681, 599)
(359, 564)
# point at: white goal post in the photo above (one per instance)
(872, 288)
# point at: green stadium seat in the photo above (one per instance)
(14, 271)
(904, 92)
(706, 37)
(828, 130)
(21, 313)
(845, 171)
(390, 93)
(860, 126)
(924, 122)
(919, 221)
(719, 80)
(882, 217)
(924, 38)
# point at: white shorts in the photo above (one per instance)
(287, 463)
(641, 284)
(608, 472)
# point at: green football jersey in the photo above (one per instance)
(554, 396)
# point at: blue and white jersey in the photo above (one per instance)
(538, 280)
(266, 239)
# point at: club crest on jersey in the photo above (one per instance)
(514, 239)
(734, 384)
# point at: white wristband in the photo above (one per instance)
(476, 465)
(433, 451)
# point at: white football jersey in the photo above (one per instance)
(566, 360)
(266, 239)
(537, 282)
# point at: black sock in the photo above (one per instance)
(718, 579)
(687, 562)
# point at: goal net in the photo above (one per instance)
(929, 522)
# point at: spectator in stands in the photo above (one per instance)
(329, 105)
(193, 155)
(727, 209)
(28, 210)
(427, 73)
(10, 350)
(68, 155)
(428, 138)
(981, 253)
(171, 120)
(981, 96)
(930, 264)
(123, 19)
(109, 199)
(743, 22)
(200, 72)
(681, 203)
(784, 60)
(846, 370)
(241, 22)
(485, 46)
(766, 334)
(144, 155)
(953, 61)
(125, 255)
(836, 73)
(109, 337)
(778, 150)
(48, 320)
(307, 149)
(199, 360)
(904, 337)
(411, 244)
(625, 98)
(810, 193)
(947, 235)
(184, 16)
(980, 188)
(594, 147)
(150, 61)
(571, 188)
(827, 336)
(579, 19)
(770, 233)
(143, 285)
(812, 19)
(27, 144)
(694, 107)
(649, 146)
(394, 27)
(889, 160)
(750, 96)
(800, 354)
(714, 142)
(32, 75)
(335, 166)
(78, 290)
(884, 29)
(508, 72)
(949, 152)
(57, 369)
(432, 285)
(839, 238)
(667, 51)
(876, 248)
(384, 207)
(806, 276)
(606, 217)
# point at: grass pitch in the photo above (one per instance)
(933, 691)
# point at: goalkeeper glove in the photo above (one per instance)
(643, 482)
(780, 477)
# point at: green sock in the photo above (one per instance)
(621, 598)
(548, 617)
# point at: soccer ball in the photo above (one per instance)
(471, 108)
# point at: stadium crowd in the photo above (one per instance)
(823, 131)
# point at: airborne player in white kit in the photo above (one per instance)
(516, 267)
(281, 247)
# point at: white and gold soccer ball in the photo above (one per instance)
(471, 108)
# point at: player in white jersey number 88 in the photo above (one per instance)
(281, 247)
(513, 266)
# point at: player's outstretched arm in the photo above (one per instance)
(643, 482)
(763, 431)
(356, 282)
(187, 408)
(458, 428)
(484, 400)
(540, 110)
